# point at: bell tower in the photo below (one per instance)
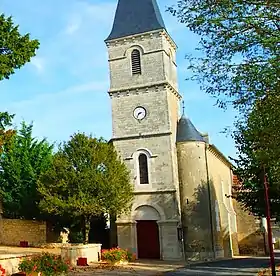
(145, 100)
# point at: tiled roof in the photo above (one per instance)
(136, 17)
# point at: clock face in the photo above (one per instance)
(139, 113)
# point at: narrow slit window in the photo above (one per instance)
(136, 62)
(143, 169)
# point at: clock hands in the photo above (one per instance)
(139, 113)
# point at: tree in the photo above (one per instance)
(239, 42)
(86, 179)
(15, 49)
(5, 134)
(257, 140)
(240, 46)
(23, 160)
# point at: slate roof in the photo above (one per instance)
(136, 17)
(186, 131)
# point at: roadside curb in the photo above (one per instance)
(171, 267)
(188, 264)
(191, 263)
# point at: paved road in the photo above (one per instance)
(236, 267)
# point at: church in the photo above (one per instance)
(181, 181)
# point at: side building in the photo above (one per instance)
(208, 216)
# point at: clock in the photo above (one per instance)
(139, 113)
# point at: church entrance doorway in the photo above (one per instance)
(148, 239)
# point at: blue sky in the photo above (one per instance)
(64, 88)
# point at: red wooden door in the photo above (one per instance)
(148, 239)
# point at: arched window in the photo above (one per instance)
(143, 168)
(136, 62)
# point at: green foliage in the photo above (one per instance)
(87, 178)
(240, 46)
(239, 65)
(257, 140)
(46, 263)
(5, 120)
(76, 236)
(116, 255)
(23, 160)
(5, 134)
(15, 49)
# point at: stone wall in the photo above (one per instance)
(11, 264)
(276, 234)
(156, 90)
(223, 213)
(155, 48)
(160, 207)
(195, 200)
(205, 182)
(15, 230)
(90, 251)
(250, 236)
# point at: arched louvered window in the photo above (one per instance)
(136, 62)
(143, 168)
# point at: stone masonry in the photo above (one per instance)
(15, 230)
(186, 197)
(156, 90)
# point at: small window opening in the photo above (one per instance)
(143, 169)
(136, 62)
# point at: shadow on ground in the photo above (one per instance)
(138, 268)
(236, 267)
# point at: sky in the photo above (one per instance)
(63, 89)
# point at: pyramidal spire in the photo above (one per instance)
(136, 17)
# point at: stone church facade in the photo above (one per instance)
(180, 180)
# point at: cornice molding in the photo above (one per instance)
(140, 135)
(140, 89)
(154, 191)
(215, 151)
(140, 37)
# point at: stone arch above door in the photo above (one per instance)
(148, 212)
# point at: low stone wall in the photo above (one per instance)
(276, 234)
(250, 235)
(72, 252)
(11, 263)
(15, 230)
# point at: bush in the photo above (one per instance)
(76, 236)
(46, 263)
(117, 254)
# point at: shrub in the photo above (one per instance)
(76, 236)
(117, 254)
(46, 263)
